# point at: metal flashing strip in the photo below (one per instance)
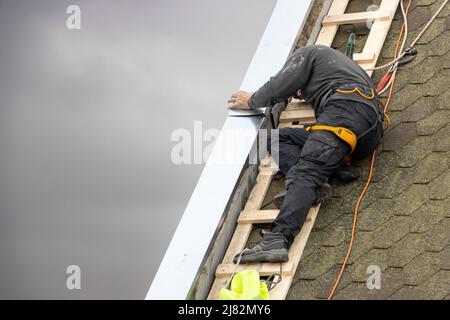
(200, 221)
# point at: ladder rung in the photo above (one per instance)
(297, 106)
(363, 57)
(358, 17)
(258, 217)
(290, 125)
(268, 166)
(327, 33)
(264, 269)
(296, 100)
(301, 116)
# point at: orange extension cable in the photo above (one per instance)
(369, 179)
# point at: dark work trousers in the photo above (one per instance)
(307, 159)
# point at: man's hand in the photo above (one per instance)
(239, 100)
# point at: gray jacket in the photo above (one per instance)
(314, 70)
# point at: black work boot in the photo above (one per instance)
(272, 248)
(324, 194)
(346, 173)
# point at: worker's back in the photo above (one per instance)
(326, 68)
(315, 70)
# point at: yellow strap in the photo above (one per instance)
(356, 89)
(343, 133)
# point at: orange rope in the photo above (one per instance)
(355, 219)
(369, 179)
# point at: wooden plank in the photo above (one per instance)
(243, 230)
(366, 67)
(357, 17)
(301, 116)
(363, 57)
(290, 125)
(297, 106)
(258, 193)
(219, 283)
(327, 33)
(379, 31)
(268, 167)
(258, 217)
(296, 100)
(299, 243)
(238, 241)
(254, 202)
(264, 269)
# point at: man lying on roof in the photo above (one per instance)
(349, 121)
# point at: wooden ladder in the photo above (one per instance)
(296, 115)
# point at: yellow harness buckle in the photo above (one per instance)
(342, 133)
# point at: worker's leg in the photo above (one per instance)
(290, 144)
(291, 141)
(322, 153)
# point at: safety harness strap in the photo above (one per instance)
(357, 90)
(341, 132)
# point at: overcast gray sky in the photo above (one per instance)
(85, 121)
